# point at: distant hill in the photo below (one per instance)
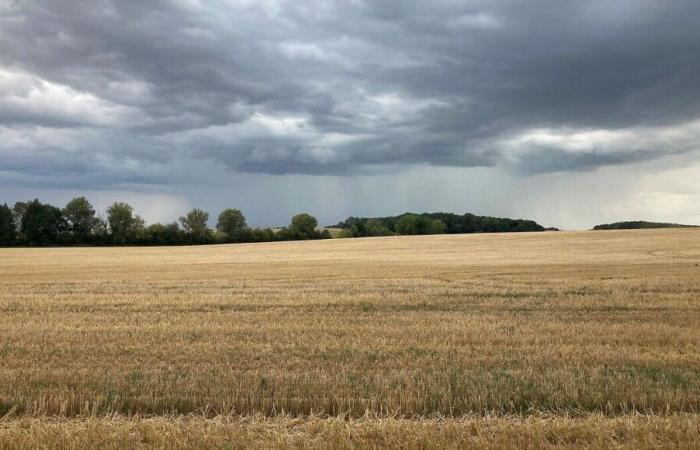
(453, 224)
(637, 224)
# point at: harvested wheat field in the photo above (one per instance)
(571, 339)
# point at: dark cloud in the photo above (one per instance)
(343, 88)
(551, 159)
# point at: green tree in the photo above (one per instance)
(124, 225)
(437, 227)
(375, 227)
(168, 234)
(140, 234)
(101, 229)
(81, 219)
(407, 224)
(410, 224)
(232, 222)
(261, 235)
(42, 223)
(304, 226)
(343, 234)
(8, 232)
(195, 224)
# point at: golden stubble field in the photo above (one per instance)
(522, 340)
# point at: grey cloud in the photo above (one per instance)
(374, 85)
(548, 159)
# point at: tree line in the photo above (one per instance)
(433, 223)
(639, 224)
(42, 224)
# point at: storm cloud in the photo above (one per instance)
(104, 94)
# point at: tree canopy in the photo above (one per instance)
(304, 224)
(42, 223)
(81, 219)
(124, 226)
(8, 231)
(36, 223)
(415, 224)
(233, 224)
(195, 224)
(638, 224)
(453, 223)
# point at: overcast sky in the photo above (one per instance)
(569, 113)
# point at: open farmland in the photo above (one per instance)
(531, 339)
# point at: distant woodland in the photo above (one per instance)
(433, 223)
(637, 224)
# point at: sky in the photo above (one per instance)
(568, 113)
